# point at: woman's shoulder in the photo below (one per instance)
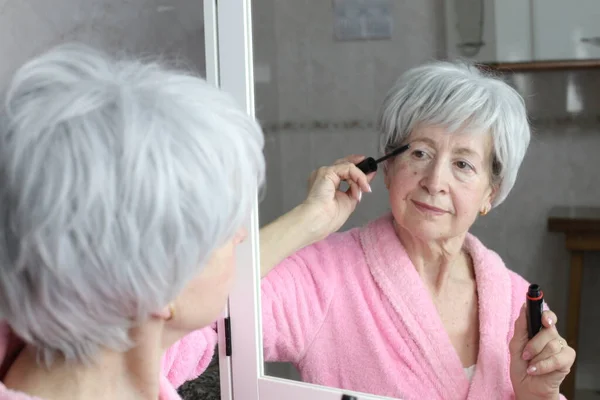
(336, 245)
(491, 259)
(190, 356)
(325, 256)
(519, 284)
(349, 244)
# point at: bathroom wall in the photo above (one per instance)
(319, 100)
(170, 27)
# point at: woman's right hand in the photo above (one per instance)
(325, 199)
(324, 211)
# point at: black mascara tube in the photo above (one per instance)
(535, 308)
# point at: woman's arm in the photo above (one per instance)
(286, 235)
(297, 295)
(324, 211)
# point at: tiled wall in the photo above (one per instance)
(318, 79)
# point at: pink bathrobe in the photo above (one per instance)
(351, 312)
(183, 361)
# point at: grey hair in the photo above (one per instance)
(118, 178)
(459, 95)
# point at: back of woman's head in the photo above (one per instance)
(118, 178)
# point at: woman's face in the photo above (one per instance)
(441, 183)
(204, 298)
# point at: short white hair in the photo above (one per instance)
(118, 178)
(459, 95)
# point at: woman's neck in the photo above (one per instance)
(113, 375)
(437, 261)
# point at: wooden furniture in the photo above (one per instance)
(581, 226)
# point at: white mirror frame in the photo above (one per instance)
(211, 52)
(242, 374)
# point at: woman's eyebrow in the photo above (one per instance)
(466, 151)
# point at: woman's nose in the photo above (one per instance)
(435, 180)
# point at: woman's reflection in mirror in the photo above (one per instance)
(412, 305)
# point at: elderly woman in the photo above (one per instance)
(123, 188)
(412, 305)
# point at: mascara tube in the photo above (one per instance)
(535, 307)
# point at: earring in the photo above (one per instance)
(484, 211)
(171, 312)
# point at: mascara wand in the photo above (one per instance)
(369, 164)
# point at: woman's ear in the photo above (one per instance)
(165, 314)
(487, 204)
(493, 194)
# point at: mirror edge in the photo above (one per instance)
(211, 56)
(271, 388)
(234, 68)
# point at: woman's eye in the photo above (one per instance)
(419, 154)
(463, 165)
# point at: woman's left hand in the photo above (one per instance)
(538, 366)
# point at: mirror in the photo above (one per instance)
(320, 73)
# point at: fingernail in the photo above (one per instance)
(531, 369)
(359, 195)
(526, 355)
(369, 188)
(550, 322)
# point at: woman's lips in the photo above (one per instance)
(426, 208)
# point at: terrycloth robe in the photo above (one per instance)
(352, 312)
